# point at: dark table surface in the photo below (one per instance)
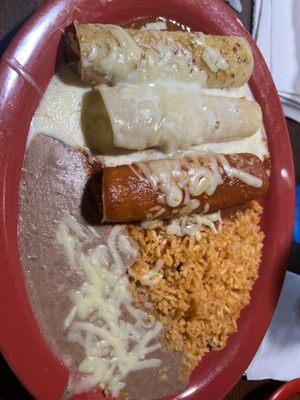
(12, 15)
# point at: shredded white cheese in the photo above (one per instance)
(212, 56)
(122, 57)
(70, 242)
(239, 174)
(214, 59)
(179, 179)
(194, 224)
(153, 276)
(191, 225)
(113, 347)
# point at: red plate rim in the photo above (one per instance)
(25, 70)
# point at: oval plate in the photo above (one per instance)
(25, 71)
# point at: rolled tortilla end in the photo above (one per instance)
(109, 54)
(238, 55)
(174, 187)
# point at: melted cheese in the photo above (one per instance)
(114, 54)
(213, 59)
(152, 277)
(113, 347)
(175, 116)
(239, 174)
(70, 243)
(191, 225)
(177, 179)
(211, 55)
(255, 144)
(122, 56)
(167, 58)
